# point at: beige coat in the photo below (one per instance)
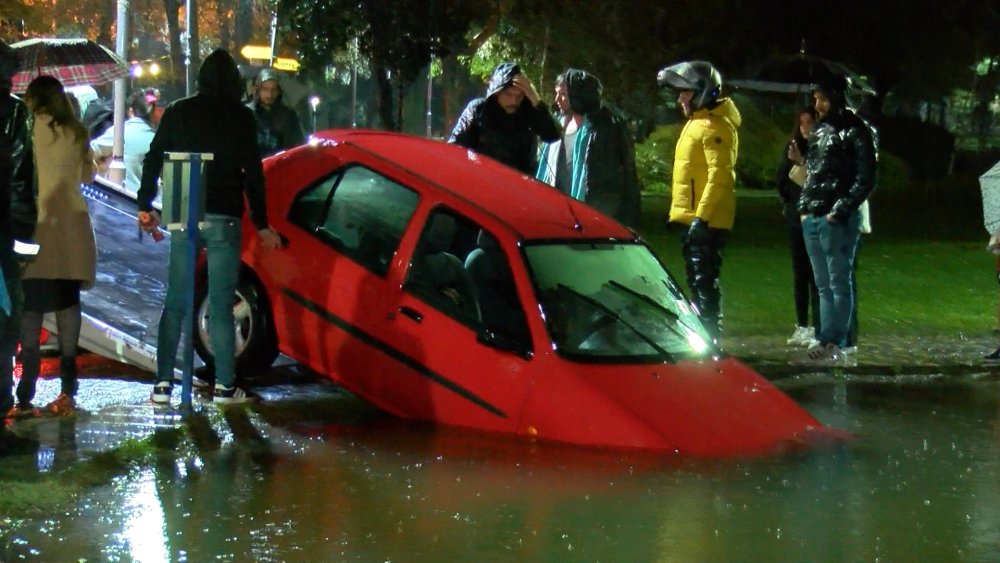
(64, 232)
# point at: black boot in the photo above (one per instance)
(67, 374)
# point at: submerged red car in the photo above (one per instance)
(440, 285)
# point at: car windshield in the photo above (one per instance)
(611, 301)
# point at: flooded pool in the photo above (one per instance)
(304, 480)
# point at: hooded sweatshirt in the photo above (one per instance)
(278, 127)
(602, 172)
(212, 121)
(511, 138)
(704, 179)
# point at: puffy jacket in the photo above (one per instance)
(604, 174)
(212, 121)
(841, 165)
(704, 178)
(510, 138)
(18, 199)
(278, 127)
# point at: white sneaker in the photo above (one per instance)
(824, 354)
(850, 350)
(801, 335)
(230, 395)
(161, 393)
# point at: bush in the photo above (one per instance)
(925, 147)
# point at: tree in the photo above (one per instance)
(398, 38)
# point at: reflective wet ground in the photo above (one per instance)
(314, 475)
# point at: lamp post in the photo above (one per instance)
(314, 103)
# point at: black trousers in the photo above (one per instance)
(803, 283)
(703, 264)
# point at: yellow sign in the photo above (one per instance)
(282, 63)
(256, 52)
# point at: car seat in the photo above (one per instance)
(490, 273)
(435, 270)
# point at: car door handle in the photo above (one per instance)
(412, 313)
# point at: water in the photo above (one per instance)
(920, 482)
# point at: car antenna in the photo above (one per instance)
(576, 220)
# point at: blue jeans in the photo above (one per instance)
(221, 240)
(832, 248)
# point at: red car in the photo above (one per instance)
(440, 285)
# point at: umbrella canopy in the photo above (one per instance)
(989, 183)
(796, 74)
(75, 62)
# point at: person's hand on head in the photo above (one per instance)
(524, 84)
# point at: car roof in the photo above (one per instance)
(530, 208)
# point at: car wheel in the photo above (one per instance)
(256, 343)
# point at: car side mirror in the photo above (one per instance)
(504, 343)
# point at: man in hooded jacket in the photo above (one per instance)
(703, 195)
(212, 121)
(18, 216)
(507, 123)
(278, 126)
(841, 168)
(594, 161)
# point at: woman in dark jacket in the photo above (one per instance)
(788, 181)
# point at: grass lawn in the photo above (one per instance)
(920, 273)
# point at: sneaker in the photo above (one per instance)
(231, 395)
(824, 353)
(64, 405)
(849, 350)
(801, 335)
(992, 358)
(810, 342)
(161, 393)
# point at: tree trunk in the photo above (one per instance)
(176, 80)
(243, 24)
(384, 88)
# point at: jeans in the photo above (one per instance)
(10, 328)
(221, 240)
(832, 248)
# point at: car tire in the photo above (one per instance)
(256, 342)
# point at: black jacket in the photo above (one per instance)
(18, 193)
(841, 165)
(510, 138)
(788, 191)
(278, 128)
(212, 121)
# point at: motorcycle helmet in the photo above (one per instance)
(699, 76)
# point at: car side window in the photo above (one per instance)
(360, 213)
(459, 268)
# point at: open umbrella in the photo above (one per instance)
(795, 74)
(989, 183)
(75, 62)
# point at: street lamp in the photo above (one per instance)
(314, 103)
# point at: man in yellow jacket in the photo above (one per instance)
(703, 198)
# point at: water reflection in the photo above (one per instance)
(920, 482)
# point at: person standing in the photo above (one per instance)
(594, 161)
(278, 126)
(212, 121)
(18, 217)
(138, 132)
(507, 123)
(67, 257)
(841, 176)
(703, 195)
(790, 178)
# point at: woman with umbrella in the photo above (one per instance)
(67, 259)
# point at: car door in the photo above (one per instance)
(336, 274)
(472, 369)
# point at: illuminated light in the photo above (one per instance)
(697, 343)
(256, 52)
(154, 69)
(137, 71)
(283, 63)
(314, 101)
(532, 431)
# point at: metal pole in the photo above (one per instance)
(116, 170)
(354, 86)
(274, 36)
(191, 253)
(430, 92)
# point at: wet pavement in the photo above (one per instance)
(114, 398)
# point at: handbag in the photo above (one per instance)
(798, 174)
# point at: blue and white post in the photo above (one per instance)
(183, 213)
